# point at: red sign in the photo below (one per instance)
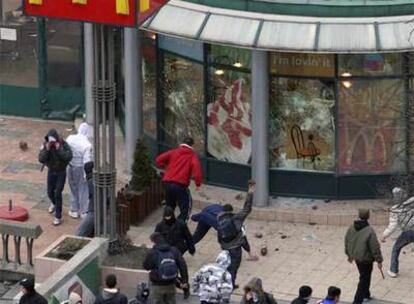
(116, 12)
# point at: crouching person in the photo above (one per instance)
(254, 293)
(164, 263)
(111, 294)
(213, 283)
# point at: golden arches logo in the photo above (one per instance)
(122, 6)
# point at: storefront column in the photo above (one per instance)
(133, 92)
(260, 106)
(88, 63)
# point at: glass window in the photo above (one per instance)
(371, 125)
(302, 64)
(370, 64)
(228, 56)
(229, 115)
(301, 124)
(149, 79)
(183, 101)
(64, 51)
(18, 46)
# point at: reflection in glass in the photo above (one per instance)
(371, 125)
(229, 116)
(149, 85)
(18, 53)
(370, 64)
(229, 56)
(183, 98)
(301, 124)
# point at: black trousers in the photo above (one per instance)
(236, 256)
(55, 184)
(200, 231)
(365, 272)
(176, 193)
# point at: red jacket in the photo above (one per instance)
(180, 163)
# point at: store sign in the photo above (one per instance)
(303, 64)
(116, 12)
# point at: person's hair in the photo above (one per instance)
(156, 238)
(188, 141)
(305, 291)
(333, 292)
(110, 280)
(227, 208)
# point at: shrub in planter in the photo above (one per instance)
(142, 170)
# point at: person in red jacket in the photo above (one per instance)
(180, 165)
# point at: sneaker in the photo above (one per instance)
(57, 222)
(392, 274)
(368, 299)
(83, 215)
(73, 214)
(51, 208)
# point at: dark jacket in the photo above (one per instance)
(299, 301)
(55, 159)
(238, 220)
(32, 298)
(151, 263)
(361, 243)
(208, 215)
(176, 234)
(255, 286)
(110, 296)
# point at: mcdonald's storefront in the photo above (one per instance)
(270, 88)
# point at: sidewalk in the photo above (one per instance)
(301, 251)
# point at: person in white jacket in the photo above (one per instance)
(213, 283)
(82, 153)
(401, 217)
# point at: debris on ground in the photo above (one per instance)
(283, 236)
(276, 249)
(312, 223)
(310, 237)
(314, 207)
(263, 250)
(327, 201)
(23, 146)
(258, 235)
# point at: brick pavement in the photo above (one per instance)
(318, 261)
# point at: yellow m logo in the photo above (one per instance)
(80, 2)
(36, 2)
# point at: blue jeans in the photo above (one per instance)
(55, 184)
(78, 189)
(403, 240)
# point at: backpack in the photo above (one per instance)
(226, 230)
(167, 266)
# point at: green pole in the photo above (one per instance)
(42, 66)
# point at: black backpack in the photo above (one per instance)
(167, 266)
(226, 230)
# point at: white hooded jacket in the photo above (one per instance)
(213, 282)
(401, 216)
(81, 146)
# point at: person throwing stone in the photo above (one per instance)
(362, 246)
(402, 217)
(180, 165)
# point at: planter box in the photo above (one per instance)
(45, 266)
(128, 279)
(141, 204)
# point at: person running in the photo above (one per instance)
(180, 165)
(110, 294)
(305, 293)
(55, 154)
(30, 296)
(334, 294)
(402, 217)
(175, 232)
(230, 233)
(207, 219)
(254, 293)
(164, 263)
(212, 283)
(82, 153)
(362, 246)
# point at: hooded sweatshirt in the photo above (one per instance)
(212, 283)
(80, 146)
(259, 296)
(180, 165)
(111, 296)
(401, 216)
(175, 232)
(32, 297)
(361, 243)
(152, 259)
(55, 159)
